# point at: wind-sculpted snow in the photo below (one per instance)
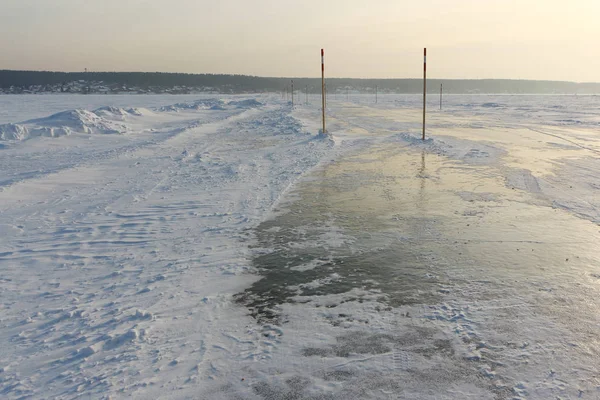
(248, 103)
(109, 120)
(102, 121)
(204, 104)
(120, 113)
(83, 121)
(212, 104)
(13, 132)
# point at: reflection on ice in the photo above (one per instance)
(459, 242)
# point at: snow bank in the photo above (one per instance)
(249, 103)
(204, 104)
(101, 121)
(13, 132)
(120, 113)
(79, 121)
(23, 132)
(212, 104)
(283, 125)
(108, 119)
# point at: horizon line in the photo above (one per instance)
(292, 77)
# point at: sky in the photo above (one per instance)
(465, 39)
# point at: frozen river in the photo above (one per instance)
(462, 267)
(221, 249)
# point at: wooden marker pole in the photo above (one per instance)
(424, 88)
(292, 93)
(441, 91)
(323, 85)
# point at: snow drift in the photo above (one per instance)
(101, 121)
(204, 104)
(120, 113)
(212, 104)
(107, 120)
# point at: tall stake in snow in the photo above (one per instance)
(375, 94)
(424, 87)
(441, 91)
(323, 85)
(292, 93)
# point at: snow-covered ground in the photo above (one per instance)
(219, 248)
(18, 107)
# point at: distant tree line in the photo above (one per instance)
(246, 84)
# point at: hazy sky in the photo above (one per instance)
(524, 39)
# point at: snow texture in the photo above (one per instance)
(224, 248)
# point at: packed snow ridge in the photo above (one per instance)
(106, 120)
(212, 104)
(101, 121)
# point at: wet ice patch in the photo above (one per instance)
(562, 146)
(491, 105)
(317, 283)
(316, 263)
(477, 197)
(414, 139)
(350, 344)
(476, 153)
(523, 180)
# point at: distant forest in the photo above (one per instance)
(159, 82)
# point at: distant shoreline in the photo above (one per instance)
(36, 82)
(273, 92)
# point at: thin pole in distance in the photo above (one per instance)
(424, 88)
(323, 85)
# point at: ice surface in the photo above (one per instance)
(220, 248)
